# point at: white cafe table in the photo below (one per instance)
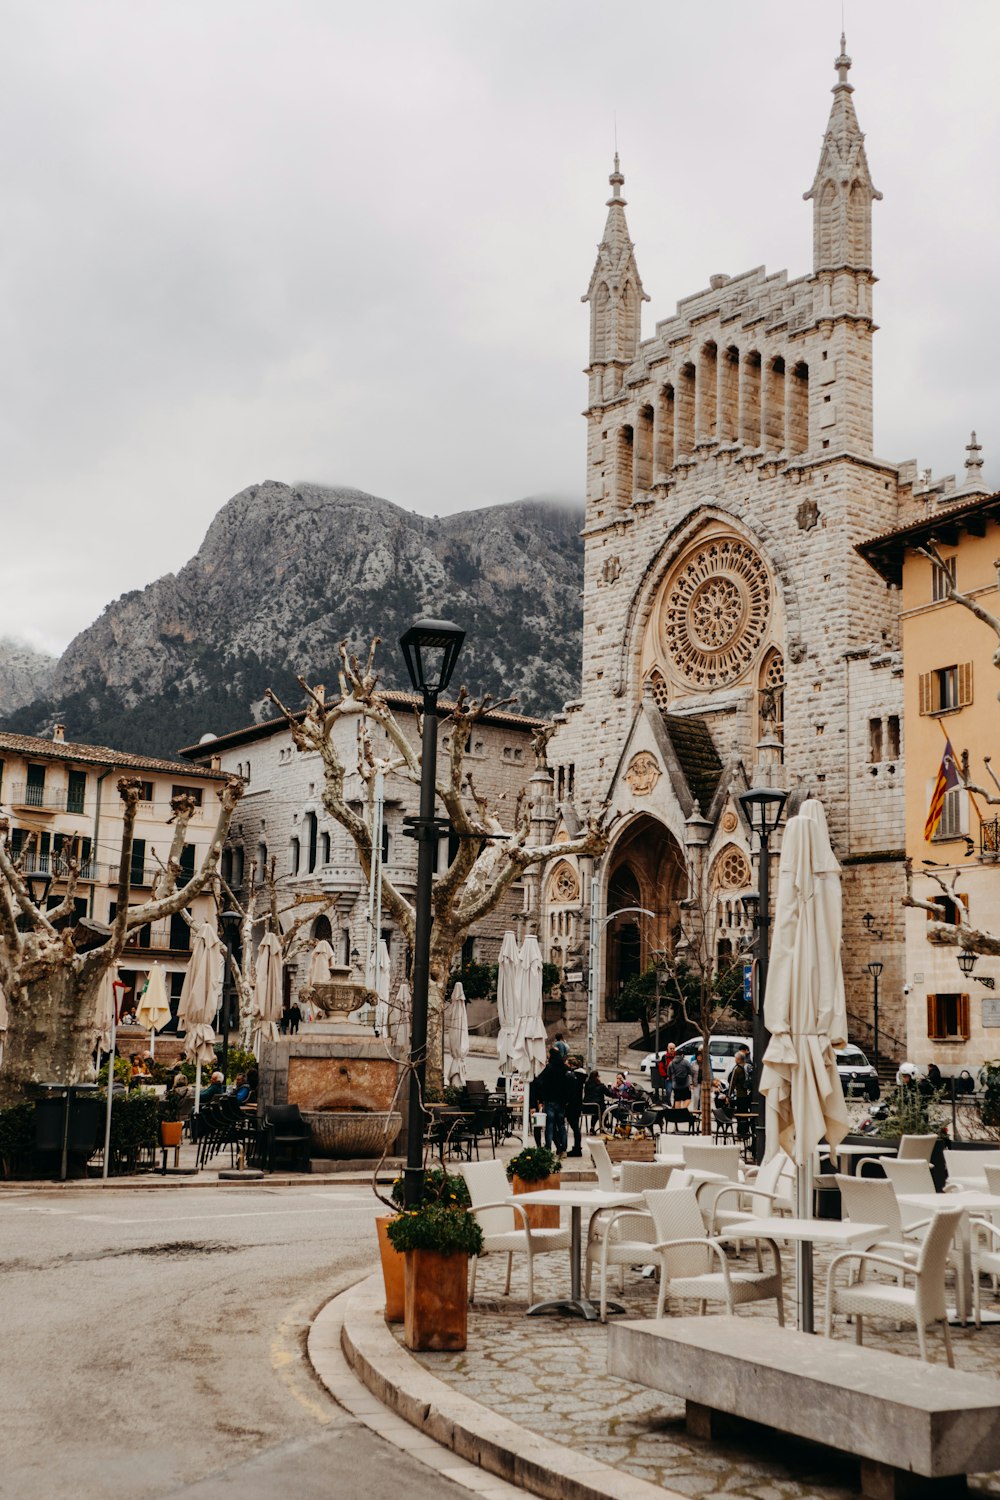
(970, 1202)
(576, 1200)
(853, 1152)
(841, 1233)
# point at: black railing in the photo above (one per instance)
(885, 1038)
(989, 836)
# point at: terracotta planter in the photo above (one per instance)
(437, 1300)
(171, 1132)
(538, 1218)
(392, 1271)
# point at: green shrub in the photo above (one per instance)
(446, 1228)
(439, 1187)
(908, 1113)
(135, 1122)
(17, 1134)
(533, 1164)
(990, 1108)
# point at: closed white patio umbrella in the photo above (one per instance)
(153, 1011)
(201, 997)
(806, 1013)
(456, 1038)
(266, 992)
(320, 969)
(377, 979)
(399, 1019)
(528, 1043)
(508, 979)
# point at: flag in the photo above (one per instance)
(947, 780)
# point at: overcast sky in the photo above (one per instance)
(308, 239)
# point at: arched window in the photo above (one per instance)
(386, 843)
(310, 826)
(685, 398)
(658, 688)
(665, 431)
(324, 848)
(624, 466)
(238, 867)
(294, 855)
(322, 931)
(729, 395)
(644, 449)
(771, 696)
(774, 406)
(707, 389)
(798, 408)
(750, 401)
(261, 862)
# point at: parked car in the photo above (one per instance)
(857, 1076)
(721, 1051)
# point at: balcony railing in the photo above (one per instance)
(989, 837)
(48, 864)
(159, 938)
(47, 799)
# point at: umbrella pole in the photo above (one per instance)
(804, 1250)
(111, 1085)
(526, 1137)
(197, 1087)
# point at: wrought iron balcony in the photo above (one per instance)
(989, 839)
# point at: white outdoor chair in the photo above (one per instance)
(624, 1237)
(708, 1156)
(692, 1265)
(915, 1147)
(772, 1192)
(488, 1189)
(921, 1304)
(985, 1258)
(607, 1173)
(967, 1169)
(910, 1177)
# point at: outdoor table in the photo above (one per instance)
(840, 1233)
(970, 1202)
(447, 1115)
(577, 1199)
(853, 1152)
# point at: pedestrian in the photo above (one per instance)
(739, 1092)
(553, 1087)
(576, 1079)
(294, 1017)
(680, 1081)
(561, 1046)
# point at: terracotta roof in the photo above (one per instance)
(394, 697)
(886, 551)
(41, 749)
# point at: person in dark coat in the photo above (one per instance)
(294, 1018)
(552, 1090)
(575, 1080)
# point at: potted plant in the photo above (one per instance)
(533, 1169)
(436, 1240)
(438, 1185)
(171, 1118)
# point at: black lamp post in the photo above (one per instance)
(430, 649)
(229, 921)
(39, 883)
(762, 807)
(875, 969)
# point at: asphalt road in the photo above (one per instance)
(154, 1345)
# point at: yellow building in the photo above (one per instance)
(950, 698)
(52, 791)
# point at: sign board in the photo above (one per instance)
(574, 976)
(991, 1013)
(748, 985)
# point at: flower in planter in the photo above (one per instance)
(445, 1228)
(439, 1187)
(533, 1164)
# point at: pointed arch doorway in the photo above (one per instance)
(646, 869)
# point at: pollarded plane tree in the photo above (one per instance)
(488, 859)
(286, 922)
(51, 967)
(974, 939)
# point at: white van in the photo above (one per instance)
(722, 1051)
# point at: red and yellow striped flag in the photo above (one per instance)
(947, 780)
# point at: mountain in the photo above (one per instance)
(283, 575)
(25, 674)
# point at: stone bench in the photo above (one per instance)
(918, 1429)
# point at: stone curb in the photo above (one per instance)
(474, 1432)
(153, 1182)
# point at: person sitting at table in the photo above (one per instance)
(241, 1089)
(253, 1084)
(216, 1088)
(139, 1068)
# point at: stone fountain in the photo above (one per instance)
(341, 1075)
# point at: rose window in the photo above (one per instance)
(716, 612)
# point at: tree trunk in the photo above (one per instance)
(51, 1032)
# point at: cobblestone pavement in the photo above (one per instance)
(549, 1375)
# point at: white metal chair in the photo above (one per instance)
(693, 1265)
(607, 1173)
(910, 1177)
(709, 1156)
(967, 1169)
(488, 1189)
(921, 1304)
(624, 1237)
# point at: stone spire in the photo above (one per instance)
(842, 189)
(974, 464)
(615, 290)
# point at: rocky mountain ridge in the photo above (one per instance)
(25, 673)
(284, 573)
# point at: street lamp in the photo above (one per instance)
(430, 649)
(875, 969)
(39, 883)
(762, 806)
(967, 961)
(229, 921)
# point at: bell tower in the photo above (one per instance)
(615, 294)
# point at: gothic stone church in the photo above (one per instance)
(732, 634)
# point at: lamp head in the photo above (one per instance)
(39, 883)
(430, 649)
(229, 921)
(967, 960)
(874, 968)
(763, 806)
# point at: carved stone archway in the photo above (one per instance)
(646, 869)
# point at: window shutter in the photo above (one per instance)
(964, 1030)
(932, 1022)
(927, 692)
(964, 684)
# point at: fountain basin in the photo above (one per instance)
(350, 1134)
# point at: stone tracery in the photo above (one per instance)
(716, 612)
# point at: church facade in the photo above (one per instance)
(733, 636)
